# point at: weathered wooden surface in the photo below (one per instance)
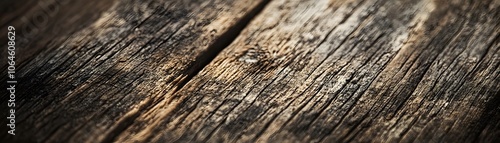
(46, 23)
(300, 71)
(101, 78)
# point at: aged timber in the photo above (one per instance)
(259, 71)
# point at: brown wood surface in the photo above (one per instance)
(258, 71)
(101, 78)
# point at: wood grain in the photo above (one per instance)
(259, 71)
(344, 71)
(45, 23)
(101, 78)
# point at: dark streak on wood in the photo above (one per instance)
(253, 71)
(382, 72)
(102, 77)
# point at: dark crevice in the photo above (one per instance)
(200, 62)
(219, 44)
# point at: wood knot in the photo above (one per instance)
(258, 57)
(253, 55)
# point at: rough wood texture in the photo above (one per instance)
(104, 76)
(344, 71)
(300, 71)
(45, 23)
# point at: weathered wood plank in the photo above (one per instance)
(313, 70)
(90, 85)
(337, 71)
(45, 23)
